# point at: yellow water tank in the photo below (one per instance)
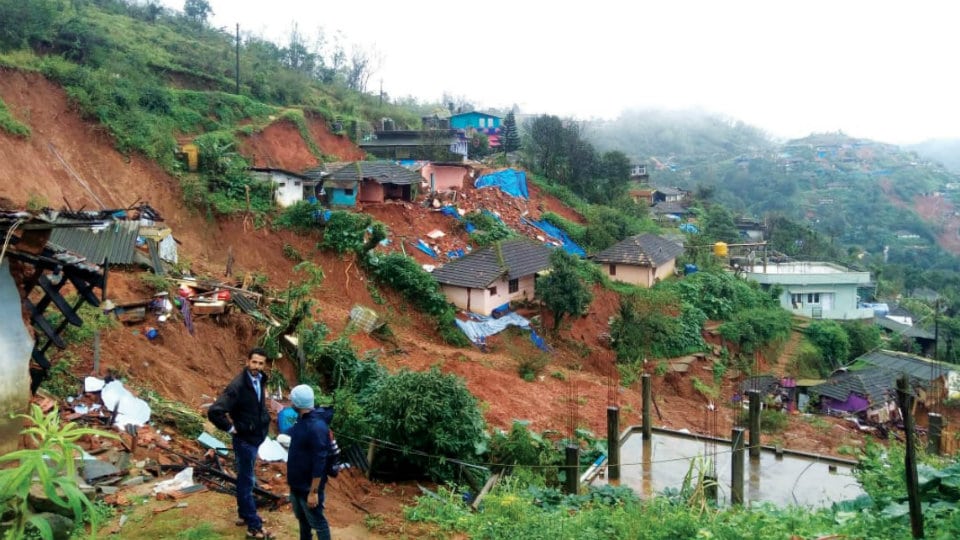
(720, 249)
(193, 155)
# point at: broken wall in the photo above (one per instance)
(16, 344)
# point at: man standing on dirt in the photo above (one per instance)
(241, 410)
(309, 463)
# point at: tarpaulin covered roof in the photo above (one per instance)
(510, 181)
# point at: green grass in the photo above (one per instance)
(10, 124)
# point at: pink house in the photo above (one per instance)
(444, 176)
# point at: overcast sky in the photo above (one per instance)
(878, 69)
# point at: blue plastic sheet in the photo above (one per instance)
(552, 231)
(488, 326)
(450, 211)
(510, 181)
(689, 228)
(422, 246)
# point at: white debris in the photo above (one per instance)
(183, 479)
(93, 384)
(270, 450)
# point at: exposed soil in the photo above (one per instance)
(573, 389)
(281, 146)
(936, 210)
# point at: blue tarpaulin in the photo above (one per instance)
(549, 229)
(510, 181)
(689, 228)
(450, 211)
(478, 330)
(422, 246)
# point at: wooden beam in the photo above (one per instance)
(53, 295)
(84, 289)
(44, 325)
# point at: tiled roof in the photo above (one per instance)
(116, 242)
(764, 384)
(382, 172)
(669, 207)
(878, 385)
(916, 367)
(514, 258)
(641, 250)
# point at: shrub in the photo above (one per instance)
(428, 412)
(832, 341)
(772, 421)
(404, 275)
(345, 232)
(489, 228)
(753, 328)
(10, 124)
(655, 323)
(300, 216)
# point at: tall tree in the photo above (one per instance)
(511, 135)
(197, 11)
(562, 290)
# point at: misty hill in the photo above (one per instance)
(945, 151)
(858, 192)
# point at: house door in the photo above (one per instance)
(826, 300)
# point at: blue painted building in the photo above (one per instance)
(476, 120)
(341, 192)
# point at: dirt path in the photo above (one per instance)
(779, 368)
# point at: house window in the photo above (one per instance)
(813, 298)
(296, 184)
(282, 184)
(796, 300)
(348, 192)
(513, 285)
(613, 269)
(492, 291)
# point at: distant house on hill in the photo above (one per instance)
(668, 194)
(641, 260)
(494, 275)
(664, 211)
(370, 182)
(432, 144)
(289, 187)
(444, 176)
(476, 120)
(815, 289)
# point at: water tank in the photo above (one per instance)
(720, 249)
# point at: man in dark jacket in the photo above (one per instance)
(310, 461)
(241, 410)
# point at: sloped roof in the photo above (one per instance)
(903, 329)
(916, 367)
(641, 250)
(669, 207)
(764, 384)
(876, 384)
(514, 258)
(116, 242)
(382, 172)
(670, 190)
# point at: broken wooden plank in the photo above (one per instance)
(492, 481)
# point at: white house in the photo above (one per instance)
(290, 187)
(815, 289)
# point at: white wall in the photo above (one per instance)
(15, 347)
(482, 302)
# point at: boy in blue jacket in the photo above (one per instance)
(311, 459)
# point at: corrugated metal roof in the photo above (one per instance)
(914, 366)
(116, 242)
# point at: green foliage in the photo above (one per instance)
(345, 232)
(300, 216)
(489, 229)
(806, 362)
(52, 460)
(655, 323)
(510, 141)
(718, 225)
(832, 341)
(563, 291)
(27, 23)
(155, 282)
(863, 337)
(10, 124)
(754, 328)
(525, 448)
(530, 365)
(94, 320)
(772, 421)
(404, 275)
(430, 412)
(720, 294)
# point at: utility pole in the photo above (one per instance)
(237, 71)
(905, 398)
